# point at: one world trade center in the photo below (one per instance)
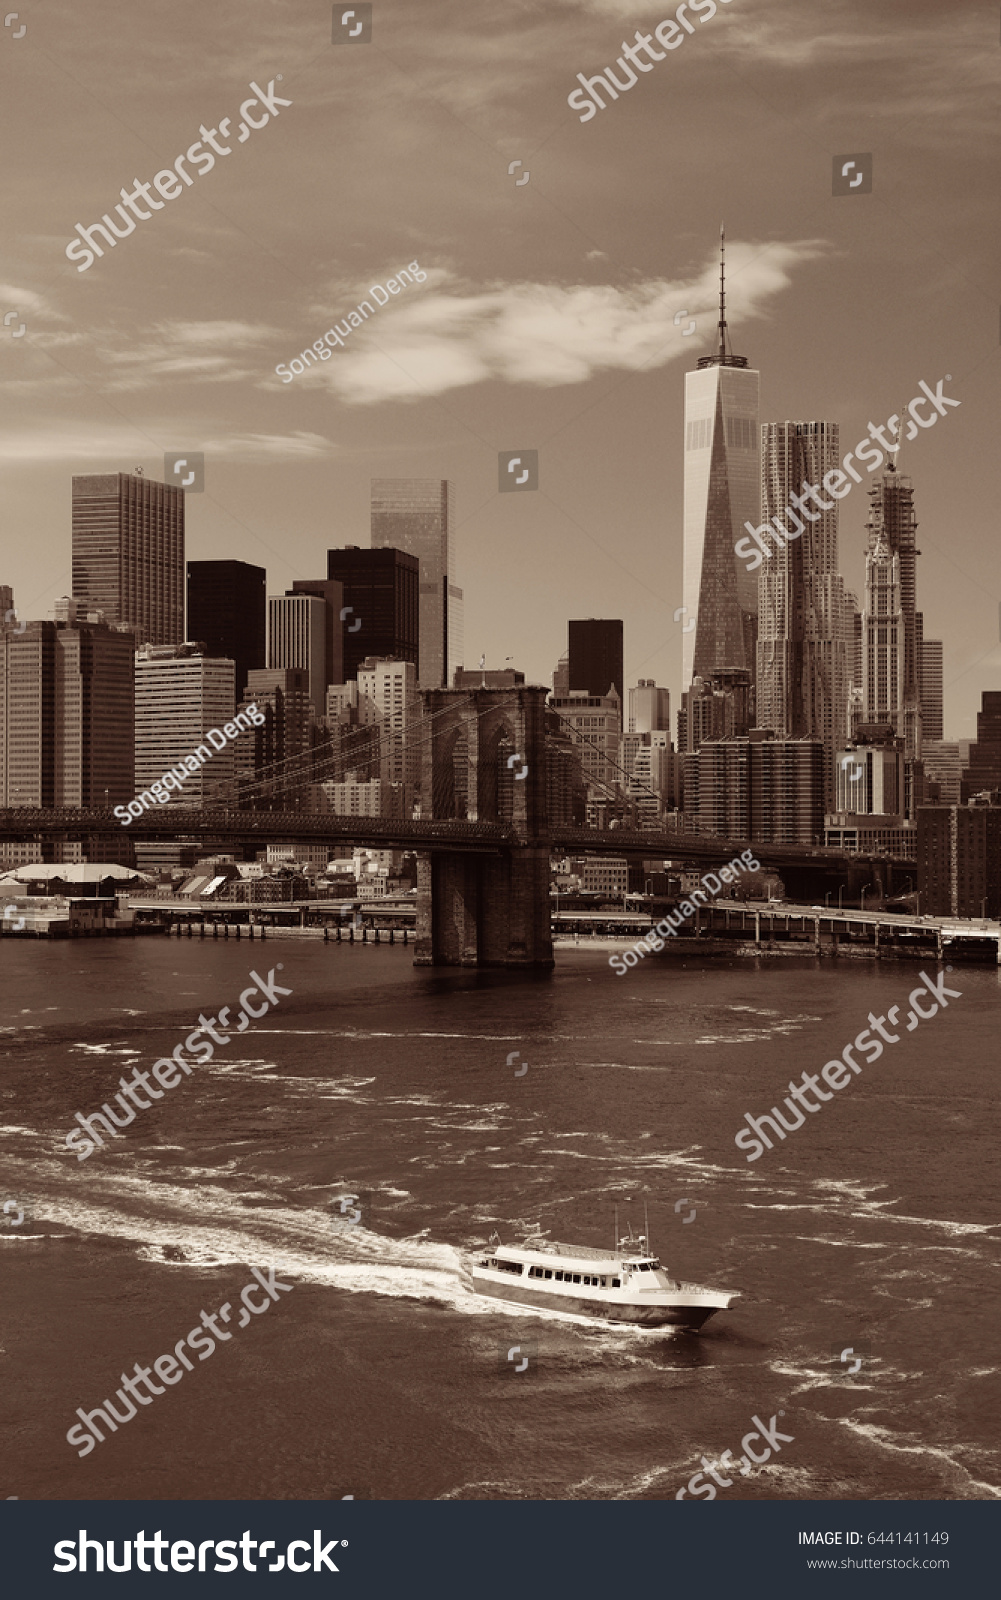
(722, 491)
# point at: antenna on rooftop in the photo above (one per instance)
(646, 1224)
(722, 291)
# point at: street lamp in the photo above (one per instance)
(840, 892)
(827, 900)
(868, 886)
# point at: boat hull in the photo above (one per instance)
(636, 1314)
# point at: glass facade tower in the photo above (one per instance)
(722, 492)
(417, 515)
(802, 656)
(128, 553)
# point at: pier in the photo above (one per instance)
(780, 928)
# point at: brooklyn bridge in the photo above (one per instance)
(483, 846)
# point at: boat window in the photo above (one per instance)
(484, 1263)
(576, 1277)
(509, 1266)
(603, 1284)
(548, 1273)
(616, 1283)
(559, 1277)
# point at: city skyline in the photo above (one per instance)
(103, 380)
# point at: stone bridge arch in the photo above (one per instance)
(486, 910)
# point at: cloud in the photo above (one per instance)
(251, 447)
(545, 335)
(200, 351)
(118, 447)
(28, 302)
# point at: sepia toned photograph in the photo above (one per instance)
(500, 792)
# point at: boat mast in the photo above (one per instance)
(646, 1224)
(616, 1230)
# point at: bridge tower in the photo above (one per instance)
(484, 760)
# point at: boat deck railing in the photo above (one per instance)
(581, 1252)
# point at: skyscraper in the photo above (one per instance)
(331, 592)
(227, 611)
(274, 761)
(180, 695)
(802, 687)
(418, 515)
(891, 518)
(66, 713)
(984, 770)
(649, 708)
(297, 632)
(594, 723)
(768, 790)
(722, 491)
(715, 708)
(930, 687)
(382, 590)
(596, 656)
(387, 700)
(882, 632)
(128, 552)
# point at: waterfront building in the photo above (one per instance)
(128, 553)
(872, 834)
(608, 875)
(959, 859)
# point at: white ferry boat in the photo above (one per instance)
(627, 1285)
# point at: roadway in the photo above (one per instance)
(70, 823)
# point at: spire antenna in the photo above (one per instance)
(722, 291)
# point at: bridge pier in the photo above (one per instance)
(484, 911)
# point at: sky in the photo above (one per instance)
(553, 312)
